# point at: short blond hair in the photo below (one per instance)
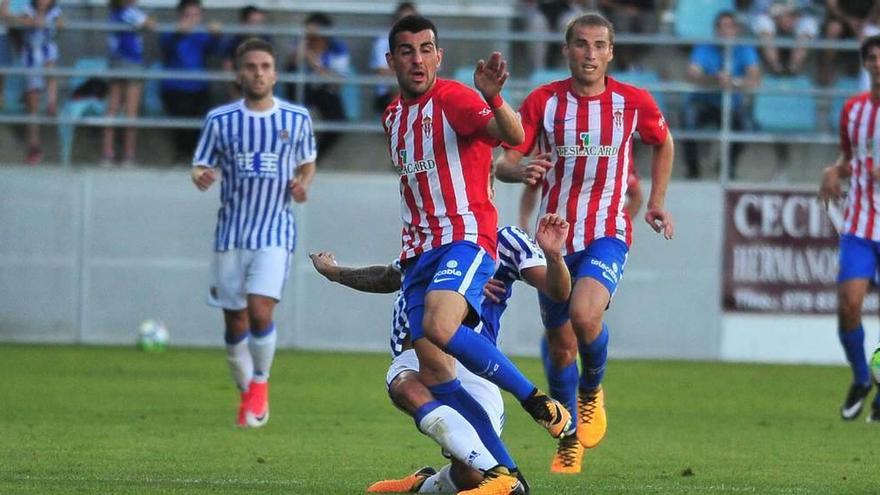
(589, 19)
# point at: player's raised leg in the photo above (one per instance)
(452, 298)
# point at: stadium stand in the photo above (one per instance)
(785, 110)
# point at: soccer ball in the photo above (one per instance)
(875, 365)
(153, 336)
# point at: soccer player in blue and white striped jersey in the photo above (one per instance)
(265, 150)
(469, 432)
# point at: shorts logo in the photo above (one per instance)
(448, 273)
(472, 457)
(609, 273)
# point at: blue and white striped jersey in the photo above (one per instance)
(516, 252)
(258, 154)
(39, 46)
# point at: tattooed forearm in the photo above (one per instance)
(378, 278)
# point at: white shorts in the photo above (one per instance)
(484, 391)
(239, 272)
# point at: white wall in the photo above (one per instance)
(85, 255)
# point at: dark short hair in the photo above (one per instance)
(320, 19)
(590, 19)
(252, 45)
(870, 42)
(722, 15)
(183, 4)
(410, 24)
(245, 12)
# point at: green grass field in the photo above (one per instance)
(112, 420)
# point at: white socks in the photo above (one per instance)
(440, 482)
(240, 363)
(263, 351)
(449, 429)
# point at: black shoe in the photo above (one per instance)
(874, 417)
(548, 413)
(855, 400)
(522, 479)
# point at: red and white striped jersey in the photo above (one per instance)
(590, 142)
(443, 153)
(859, 136)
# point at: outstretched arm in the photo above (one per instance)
(378, 279)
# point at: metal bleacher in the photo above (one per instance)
(806, 118)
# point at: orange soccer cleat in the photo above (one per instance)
(592, 421)
(569, 456)
(498, 481)
(410, 484)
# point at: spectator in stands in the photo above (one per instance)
(126, 51)
(40, 22)
(536, 21)
(186, 49)
(321, 55)
(844, 20)
(251, 17)
(707, 70)
(630, 16)
(384, 93)
(5, 58)
(772, 19)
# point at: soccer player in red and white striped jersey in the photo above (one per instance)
(860, 236)
(581, 129)
(440, 138)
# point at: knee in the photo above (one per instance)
(563, 351)
(849, 313)
(408, 393)
(438, 328)
(587, 322)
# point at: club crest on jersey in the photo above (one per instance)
(283, 135)
(426, 126)
(586, 149)
(618, 118)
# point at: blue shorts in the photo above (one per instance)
(462, 266)
(602, 260)
(858, 258)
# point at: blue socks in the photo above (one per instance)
(593, 359)
(423, 411)
(853, 342)
(232, 339)
(562, 382)
(455, 396)
(480, 356)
